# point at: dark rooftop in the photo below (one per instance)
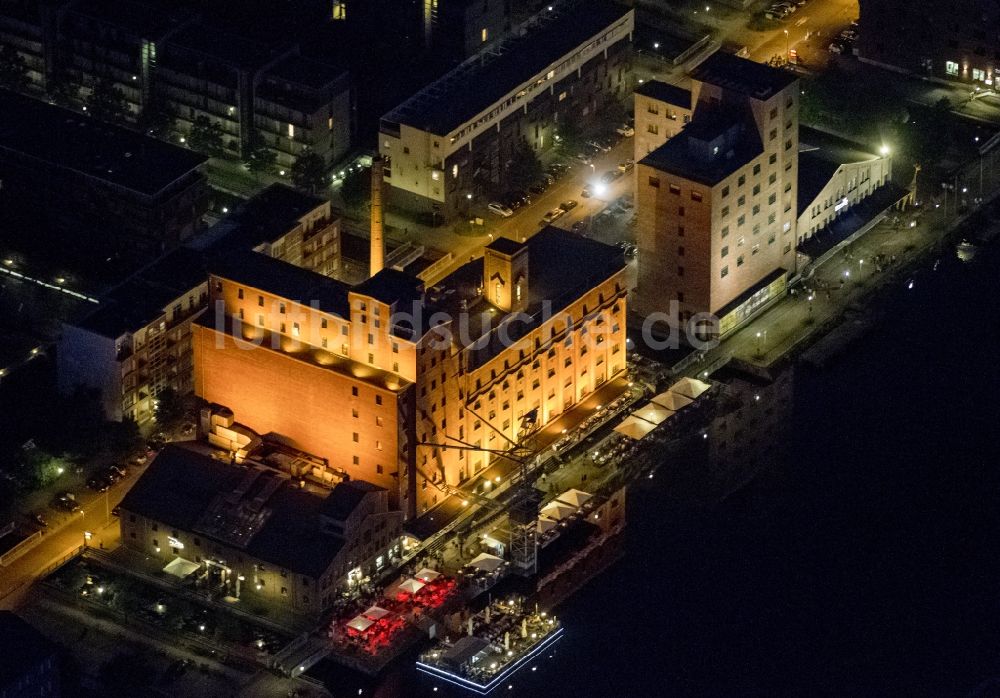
(305, 71)
(665, 92)
(142, 297)
(688, 154)
(264, 218)
(180, 485)
(506, 246)
(820, 156)
(583, 263)
(749, 77)
(451, 101)
(23, 649)
(93, 148)
(283, 279)
(392, 287)
(144, 20)
(229, 48)
(346, 497)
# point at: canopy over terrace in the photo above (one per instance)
(486, 562)
(181, 568)
(557, 511)
(690, 387)
(634, 428)
(654, 413)
(545, 525)
(411, 586)
(360, 623)
(575, 498)
(375, 613)
(427, 575)
(672, 401)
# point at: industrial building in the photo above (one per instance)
(717, 203)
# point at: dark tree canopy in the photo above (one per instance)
(13, 69)
(309, 172)
(107, 101)
(524, 168)
(206, 137)
(356, 188)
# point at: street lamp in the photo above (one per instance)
(884, 151)
(786, 45)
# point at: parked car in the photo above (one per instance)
(599, 146)
(98, 483)
(583, 157)
(66, 501)
(588, 191)
(625, 130)
(538, 188)
(610, 176)
(552, 215)
(835, 48)
(568, 205)
(516, 199)
(626, 166)
(579, 227)
(500, 210)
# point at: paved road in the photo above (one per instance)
(66, 534)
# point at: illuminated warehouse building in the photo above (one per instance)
(378, 377)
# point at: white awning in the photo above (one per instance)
(411, 586)
(360, 623)
(181, 568)
(634, 428)
(427, 575)
(690, 387)
(545, 525)
(486, 562)
(575, 498)
(557, 511)
(375, 612)
(653, 413)
(672, 401)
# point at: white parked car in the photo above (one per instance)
(625, 130)
(552, 215)
(500, 210)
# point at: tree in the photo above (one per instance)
(13, 69)
(169, 408)
(524, 168)
(62, 90)
(206, 136)
(261, 159)
(122, 439)
(570, 136)
(356, 187)
(309, 171)
(107, 101)
(156, 118)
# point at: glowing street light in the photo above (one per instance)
(884, 150)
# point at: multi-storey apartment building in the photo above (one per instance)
(97, 180)
(286, 224)
(172, 59)
(138, 342)
(454, 138)
(957, 40)
(256, 534)
(661, 111)
(717, 202)
(379, 378)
